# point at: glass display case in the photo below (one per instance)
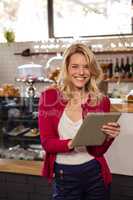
(19, 134)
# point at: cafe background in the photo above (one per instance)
(33, 36)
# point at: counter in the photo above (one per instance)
(122, 107)
(119, 155)
(21, 166)
(20, 179)
(116, 155)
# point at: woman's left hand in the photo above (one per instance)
(111, 129)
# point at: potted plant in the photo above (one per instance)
(9, 35)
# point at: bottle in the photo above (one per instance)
(131, 68)
(127, 68)
(110, 69)
(122, 68)
(117, 69)
(130, 72)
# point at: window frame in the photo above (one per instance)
(50, 12)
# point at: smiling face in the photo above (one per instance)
(78, 71)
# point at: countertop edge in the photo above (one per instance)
(21, 166)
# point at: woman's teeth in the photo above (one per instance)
(80, 78)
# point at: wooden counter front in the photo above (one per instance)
(21, 166)
(125, 107)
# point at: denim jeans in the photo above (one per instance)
(79, 182)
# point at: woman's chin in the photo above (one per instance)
(79, 87)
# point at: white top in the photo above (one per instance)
(67, 130)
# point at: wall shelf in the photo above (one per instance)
(125, 80)
(115, 51)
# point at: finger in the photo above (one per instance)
(112, 128)
(111, 133)
(113, 124)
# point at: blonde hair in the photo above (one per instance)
(95, 70)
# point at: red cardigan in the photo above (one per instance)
(51, 107)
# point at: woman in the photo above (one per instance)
(79, 173)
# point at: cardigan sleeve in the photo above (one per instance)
(49, 138)
(100, 150)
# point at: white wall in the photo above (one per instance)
(9, 61)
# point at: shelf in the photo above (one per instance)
(23, 138)
(21, 119)
(113, 80)
(117, 51)
(35, 53)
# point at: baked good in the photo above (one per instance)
(130, 96)
(9, 90)
(53, 67)
(54, 75)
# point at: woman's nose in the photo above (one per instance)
(81, 70)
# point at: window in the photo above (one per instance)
(34, 20)
(91, 17)
(28, 19)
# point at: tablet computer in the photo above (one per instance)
(90, 132)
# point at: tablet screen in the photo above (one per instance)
(90, 132)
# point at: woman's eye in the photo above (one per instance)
(78, 67)
(86, 67)
(74, 66)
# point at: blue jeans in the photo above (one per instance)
(79, 182)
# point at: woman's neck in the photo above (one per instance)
(79, 96)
